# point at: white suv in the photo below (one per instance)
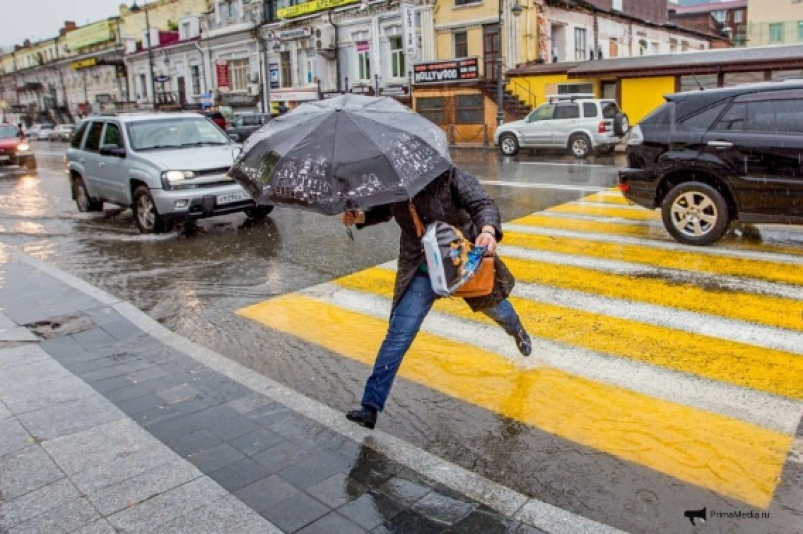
(167, 167)
(579, 123)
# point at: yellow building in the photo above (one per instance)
(774, 22)
(162, 14)
(458, 89)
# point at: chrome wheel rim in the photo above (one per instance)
(508, 145)
(146, 214)
(580, 146)
(694, 214)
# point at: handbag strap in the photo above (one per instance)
(419, 226)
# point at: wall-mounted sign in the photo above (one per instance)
(293, 96)
(273, 75)
(103, 98)
(410, 38)
(207, 100)
(362, 46)
(367, 90)
(99, 32)
(83, 64)
(222, 69)
(295, 33)
(448, 71)
(311, 7)
(394, 91)
(162, 78)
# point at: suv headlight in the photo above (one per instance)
(177, 176)
(23, 147)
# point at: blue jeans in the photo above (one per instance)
(405, 321)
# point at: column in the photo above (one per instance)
(427, 33)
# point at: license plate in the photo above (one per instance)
(234, 197)
(5, 158)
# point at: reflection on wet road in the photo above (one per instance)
(664, 378)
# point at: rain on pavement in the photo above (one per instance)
(664, 378)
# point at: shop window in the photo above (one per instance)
(238, 74)
(306, 65)
(732, 79)
(363, 61)
(470, 109)
(460, 44)
(787, 74)
(431, 108)
(287, 68)
(398, 67)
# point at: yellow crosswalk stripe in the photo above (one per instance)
(671, 259)
(594, 227)
(744, 306)
(768, 370)
(605, 211)
(611, 197)
(731, 457)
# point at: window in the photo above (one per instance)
(470, 109)
(567, 111)
(738, 16)
(143, 86)
(609, 110)
(79, 135)
(542, 113)
(398, 67)
(589, 110)
(720, 15)
(238, 74)
(580, 44)
(431, 108)
(776, 32)
(575, 88)
(287, 77)
(704, 119)
(185, 31)
(363, 61)
(775, 116)
(732, 79)
(787, 74)
(112, 135)
(460, 44)
(93, 137)
(800, 31)
(733, 119)
(195, 77)
(690, 83)
(465, 2)
(306, 62)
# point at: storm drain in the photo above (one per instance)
(64, 325)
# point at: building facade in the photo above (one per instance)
(774, 22)
(728, 19)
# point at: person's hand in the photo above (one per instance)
(487, 239)
(352, 217)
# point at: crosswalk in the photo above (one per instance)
(688, 361)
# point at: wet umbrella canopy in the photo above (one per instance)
(349, 152)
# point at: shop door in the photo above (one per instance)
(182, 91)
(490, 49)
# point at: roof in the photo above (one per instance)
(708, 8)
(145, 115)
(724, 59)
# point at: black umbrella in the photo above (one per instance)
(348, 152)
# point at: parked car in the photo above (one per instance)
(43, 132)
(216, 117)
(167, 167)
(579, 123)
(62, 132)
(247, 123)
(14, 148)
(707, 158)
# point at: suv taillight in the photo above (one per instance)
(601, 128)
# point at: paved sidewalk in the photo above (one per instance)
(111, 423)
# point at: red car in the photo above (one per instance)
(216, 117)
(14, 148)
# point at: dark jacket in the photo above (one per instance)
(457, 198)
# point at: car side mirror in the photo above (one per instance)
(234, 137)
(112, 150)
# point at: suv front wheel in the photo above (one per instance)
(145, 215)
(695, 213)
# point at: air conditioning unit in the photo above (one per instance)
(325, 43)
(253, 89)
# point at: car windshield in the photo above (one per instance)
(174, 133)
(7, 132)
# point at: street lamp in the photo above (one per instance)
(500, 90)
(136, 9)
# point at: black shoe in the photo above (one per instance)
(364, 416)
(523, 342)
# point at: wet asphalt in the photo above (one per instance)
(193, 282)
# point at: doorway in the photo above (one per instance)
(490, 49)
(182, 91)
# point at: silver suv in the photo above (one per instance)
(167, 167)
(579, 123)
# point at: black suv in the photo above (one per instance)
(710, 157)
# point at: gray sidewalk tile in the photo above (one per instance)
(484, 522)
(233, 428)
(70, 417)
(213, 459)
(193, 443)
(409, 521)
(35, 503)
(63, 348)
(176, 428)
(13, 436)
(295, 513)
(239, 474)
(18, 333)
(134, 391)
(147, 516)
(103, 315)
(143, 487)
(330, 523)
(337, 490)
(104, 370)
(28, 376)
(405, 491)
(58, 391)
(270, 414)
(256, 442)
(371, 510)
(250, 403)
(67, 517)
(5, 322)
(93, 338)
(124, 467)
(98, 527)
(122, 330)
(141, 404)
(154, 416)
(178, 393)
(111, 384)
(214, 415)
(443, 509)
(25, 471)
(24, 355)
(281, 456)
(4, 412)
(226, 515)
(99, 445)
(265, 493)
(314, 469)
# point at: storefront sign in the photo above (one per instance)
(295, 33)
(449, 71)
(99, 32)
(367, 90)
(330, 94)
(222, 69)
(395, 91)
(311, 7)
(103, 98)
(237, 101)
(162, 78)
(362, 46)
(83, 64)
(207, 100)
(410, 39)
(293, 96)
(273, 75)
